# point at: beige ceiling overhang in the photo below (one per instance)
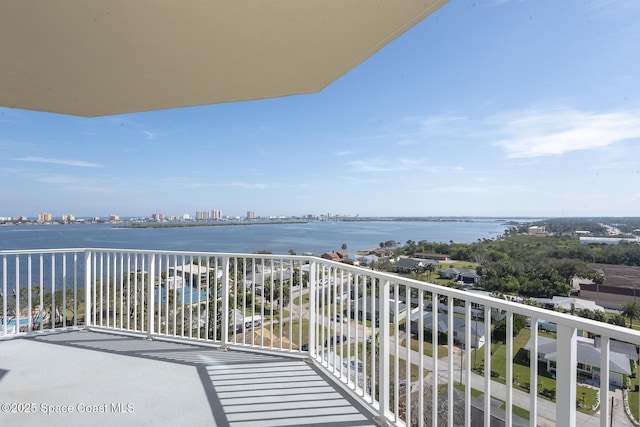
(94, 58)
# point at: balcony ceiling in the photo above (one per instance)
(94, 58)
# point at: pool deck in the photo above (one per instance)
(103, 379)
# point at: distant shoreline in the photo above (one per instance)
(208, 224)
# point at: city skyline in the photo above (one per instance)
(492, 108)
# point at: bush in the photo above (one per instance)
(548, 393)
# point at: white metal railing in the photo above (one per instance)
(370, 330)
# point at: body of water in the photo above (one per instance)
(315, 237)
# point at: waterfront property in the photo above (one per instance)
(377, 378)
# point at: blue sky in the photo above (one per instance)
(488, 107)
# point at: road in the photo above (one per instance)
(520, 398)
(498, 390)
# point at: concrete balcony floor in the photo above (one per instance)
(104, 379)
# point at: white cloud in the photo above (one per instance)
(246, 185)
(341, 153)
(91, 189)
(78, 163)
(57, 179)
(385, 165)
(150, 135)
(534, 133)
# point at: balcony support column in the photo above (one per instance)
(383, 356)
(566, 375)
(88, 286)
(224, 322)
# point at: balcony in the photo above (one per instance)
(131, 337)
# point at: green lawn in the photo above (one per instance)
(521, 371)
(443, 350)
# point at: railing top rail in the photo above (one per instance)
(40, 251)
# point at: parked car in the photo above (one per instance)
(341, 318)
(337, 339)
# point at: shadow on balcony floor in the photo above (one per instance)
(91, 378)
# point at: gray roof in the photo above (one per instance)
(392, 305)
(443, 323)
(587, 353)
(413, 262)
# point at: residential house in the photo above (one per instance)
(193, 273)
(339, 256)
(537, 230)
(394, 315)
(409, 265)
(367, 260)
(465, 275)
(459, 328)
(381, 252)
(435, 257)
(621, 359)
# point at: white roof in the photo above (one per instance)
(565, 303)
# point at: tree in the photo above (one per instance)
(631, 310)
(429, 268)
(271, 292)
(617, 319)
(500, 329)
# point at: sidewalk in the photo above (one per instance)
(520, 398)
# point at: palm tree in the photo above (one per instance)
(631, 310)
(429, 268)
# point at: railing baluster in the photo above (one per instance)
(450, 344)
(566, 375)
(605, 406)
(224, 336)
(372, 310)
(53, 292)
(533, 377)
(509, 370)
(396, 356)
(487, 365)
(467, 365)
(421, 378)
(64, 290)
(29, 292)
(88, 287)
(5, 297)
(75, 289)
(107, 279)
(383, 339)
(151, 299)
(312, 308)
(16, 293)
(435, 302)
(175, 295)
